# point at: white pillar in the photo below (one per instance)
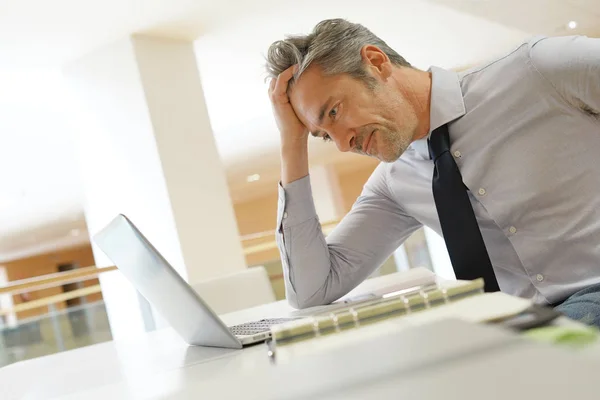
(326, 193)
(146, 150)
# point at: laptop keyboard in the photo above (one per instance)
(252, 328)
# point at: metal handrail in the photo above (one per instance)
(46, 301)
(53, 280)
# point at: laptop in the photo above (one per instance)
(159, 283)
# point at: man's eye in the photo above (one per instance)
(333, 112)
(326, 137)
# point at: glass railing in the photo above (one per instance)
(56, 331)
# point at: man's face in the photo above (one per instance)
(377, 121)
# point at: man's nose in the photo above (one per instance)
(345, 141)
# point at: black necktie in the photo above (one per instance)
(461, 232)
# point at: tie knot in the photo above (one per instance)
(439, 142)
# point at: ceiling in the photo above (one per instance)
(41, 200)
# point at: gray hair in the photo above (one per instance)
(334, 45)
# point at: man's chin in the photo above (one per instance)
(388, 158)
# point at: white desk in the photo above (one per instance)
(149, 366)
(159, 365)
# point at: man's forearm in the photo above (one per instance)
(298, 228)
(294, 162)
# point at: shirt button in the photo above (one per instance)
(481, 191)
(285, 214)
(457, 154)
(512, 230)
(539, 277)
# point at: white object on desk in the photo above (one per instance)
(236, 291)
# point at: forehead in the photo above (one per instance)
(311, 92)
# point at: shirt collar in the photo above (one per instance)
(447, 104)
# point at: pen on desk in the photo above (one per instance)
(270, 350)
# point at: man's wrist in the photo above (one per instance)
(294, 147)
(294, 165)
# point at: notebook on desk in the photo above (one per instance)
(464, 300)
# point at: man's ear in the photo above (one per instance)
(376, 61)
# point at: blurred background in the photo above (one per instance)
(158, 109)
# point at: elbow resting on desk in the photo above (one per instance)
(300, 300)
(315, 272)
(294, 303)
(301, 296)
(300, 304)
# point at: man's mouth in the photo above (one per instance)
(367, 143)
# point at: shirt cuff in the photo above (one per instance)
(296, 204)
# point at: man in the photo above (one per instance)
(522, 132)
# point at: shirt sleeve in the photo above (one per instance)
(571, 65)
(319, 270)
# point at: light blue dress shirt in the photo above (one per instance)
(525, 133)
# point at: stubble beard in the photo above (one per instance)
(393, 145)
